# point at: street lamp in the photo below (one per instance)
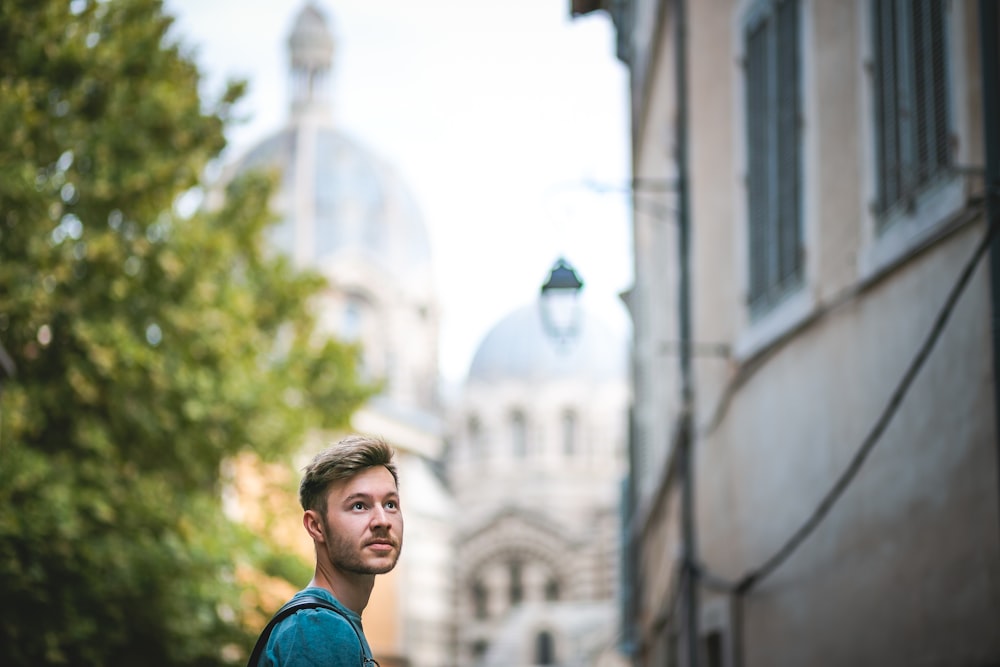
(559, 302)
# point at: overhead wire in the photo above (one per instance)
(752, 578)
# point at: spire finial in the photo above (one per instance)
(310, 47)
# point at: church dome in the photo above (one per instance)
(518, 348)
(336, 200)
(356, 204)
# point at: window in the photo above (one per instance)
(352, 318)
(518, 434)
(475, 435)
(516, 583)
(712, 648)
(569, 432)
(773, 154)
(552, 590)
(480, 599)
(911, 104)
(544, 650)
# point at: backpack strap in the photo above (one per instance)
(289, 608)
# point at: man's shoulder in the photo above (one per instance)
(316, 594)
(329, 613)
(316, 619)
(314, 636)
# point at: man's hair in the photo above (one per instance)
(343, 460)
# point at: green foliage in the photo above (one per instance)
(149, 347)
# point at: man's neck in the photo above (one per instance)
(353, 590)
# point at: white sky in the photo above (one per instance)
(495, 114)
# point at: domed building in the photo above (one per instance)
(345, 212)
(538, 456)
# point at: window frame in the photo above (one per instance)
(761, 326)
(909, 123)
(893, 234)
(774, 189)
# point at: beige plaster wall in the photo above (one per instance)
(902, 565)
(904, 569)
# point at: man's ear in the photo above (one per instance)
(313, 524)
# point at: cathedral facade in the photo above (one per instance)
(539, 436)
(511, 492)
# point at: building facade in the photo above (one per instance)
(536, 464)
(812, 309)
(345, 213)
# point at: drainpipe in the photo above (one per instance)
(685, 444)
(989, 20)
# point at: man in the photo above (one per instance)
(350, 495)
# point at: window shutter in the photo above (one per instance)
(788, 133)
(773, 154)
(758, 141)
(911, 98)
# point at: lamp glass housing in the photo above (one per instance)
(559, 303)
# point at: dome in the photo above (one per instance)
(336, 200)
(517, 348)
(357, 204)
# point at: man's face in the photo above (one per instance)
(364, 524)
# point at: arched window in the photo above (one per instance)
(516, 583)
(545, 653)
(552, 590)
(480, 599)
(350, 320)
(474, 432)
(518, 434)
(357, 322)
(569, 432)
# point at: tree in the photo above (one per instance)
(149, 347)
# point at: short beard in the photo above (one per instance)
(346, 557)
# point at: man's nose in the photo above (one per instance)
(380, 517)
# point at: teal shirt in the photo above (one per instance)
(317, 637)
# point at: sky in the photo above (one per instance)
(508, 122)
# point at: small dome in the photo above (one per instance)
(518, 348)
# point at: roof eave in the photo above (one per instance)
(581, 7)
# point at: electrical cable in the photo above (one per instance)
(748, 367)
(754, 577)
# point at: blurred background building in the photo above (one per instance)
(512, 542)
(537, 459)
(344, 212)
(812, 312)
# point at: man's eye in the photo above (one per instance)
(359, 506)
(391, 504)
